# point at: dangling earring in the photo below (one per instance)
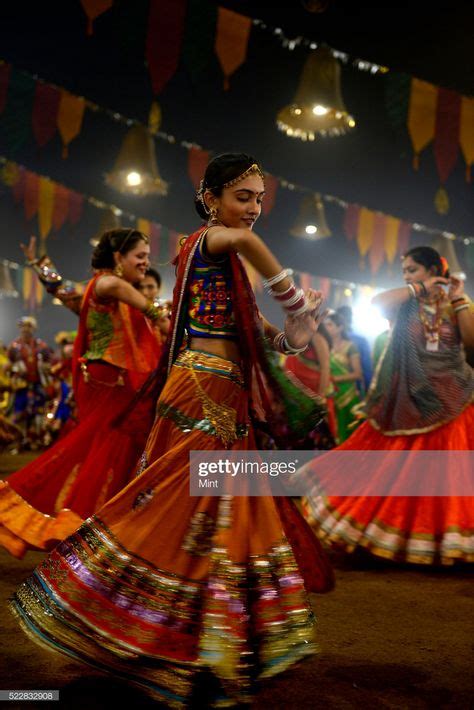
(213, 215)
(118, 270)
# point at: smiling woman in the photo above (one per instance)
(115, 350)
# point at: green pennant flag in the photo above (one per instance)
(397, 97)
(199, 38)
(15, 122)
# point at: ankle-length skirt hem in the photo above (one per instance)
(432, 530)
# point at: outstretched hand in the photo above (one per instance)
(299, 330)
(30, 250)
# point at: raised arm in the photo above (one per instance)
(66, 292)
(390, 301)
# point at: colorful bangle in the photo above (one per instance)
(47, 273)
(412, 290)
(153, 311)
(458, 299)
(461, 308)
(283, 295)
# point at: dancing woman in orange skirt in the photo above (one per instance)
(159, 586)
(421, 398)
(115, 350)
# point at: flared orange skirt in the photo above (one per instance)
(159, 585)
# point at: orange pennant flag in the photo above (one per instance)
(70, 116)
(94, 8)
(365, 230)
(421, 116)
(45, 206)
(31, 194)
(392, 225)
(466, 133)
(232, 37)
(144, 226)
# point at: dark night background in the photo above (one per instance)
(371, 166)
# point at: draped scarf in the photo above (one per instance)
(415, 390)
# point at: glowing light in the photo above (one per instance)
(50, 415)
(319, 110)
(311, 229)
(133, 178)
(297, 111)
(351, 123)
(347, 292)
(367, 319)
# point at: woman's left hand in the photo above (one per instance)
(456, 288)
(300, 329)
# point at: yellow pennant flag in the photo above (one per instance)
(232, 37)
(70, 116)
(45, 206)
(144, 226)
(466, 133)
(421, 116)
(390, 241)
(365, 230)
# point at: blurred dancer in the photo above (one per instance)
(115, 350)
(420, 399)
(30, 358)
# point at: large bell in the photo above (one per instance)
(108, 220)
(135, 170)
(318, 107)
(311, 221)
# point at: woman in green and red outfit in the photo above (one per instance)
(115, 350)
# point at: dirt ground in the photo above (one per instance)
(390, 637)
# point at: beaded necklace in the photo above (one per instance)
(432, 324)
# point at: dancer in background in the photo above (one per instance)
(345, 373)
(310, 370)
(363, 348)
(421, 398)
(30, 360)
(164, 588)
(150, 287)
(115, 350)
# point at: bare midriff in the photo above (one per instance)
(223, 348)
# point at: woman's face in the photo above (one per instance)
(333, 329)
(239, 206)
(149, 287)
(135, 262)
(413, 272)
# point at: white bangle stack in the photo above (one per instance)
(281, 345)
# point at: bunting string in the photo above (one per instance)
(282, 182)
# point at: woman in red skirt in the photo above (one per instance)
(421, 399)
(115, 350)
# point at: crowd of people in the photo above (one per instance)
(166, 589)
